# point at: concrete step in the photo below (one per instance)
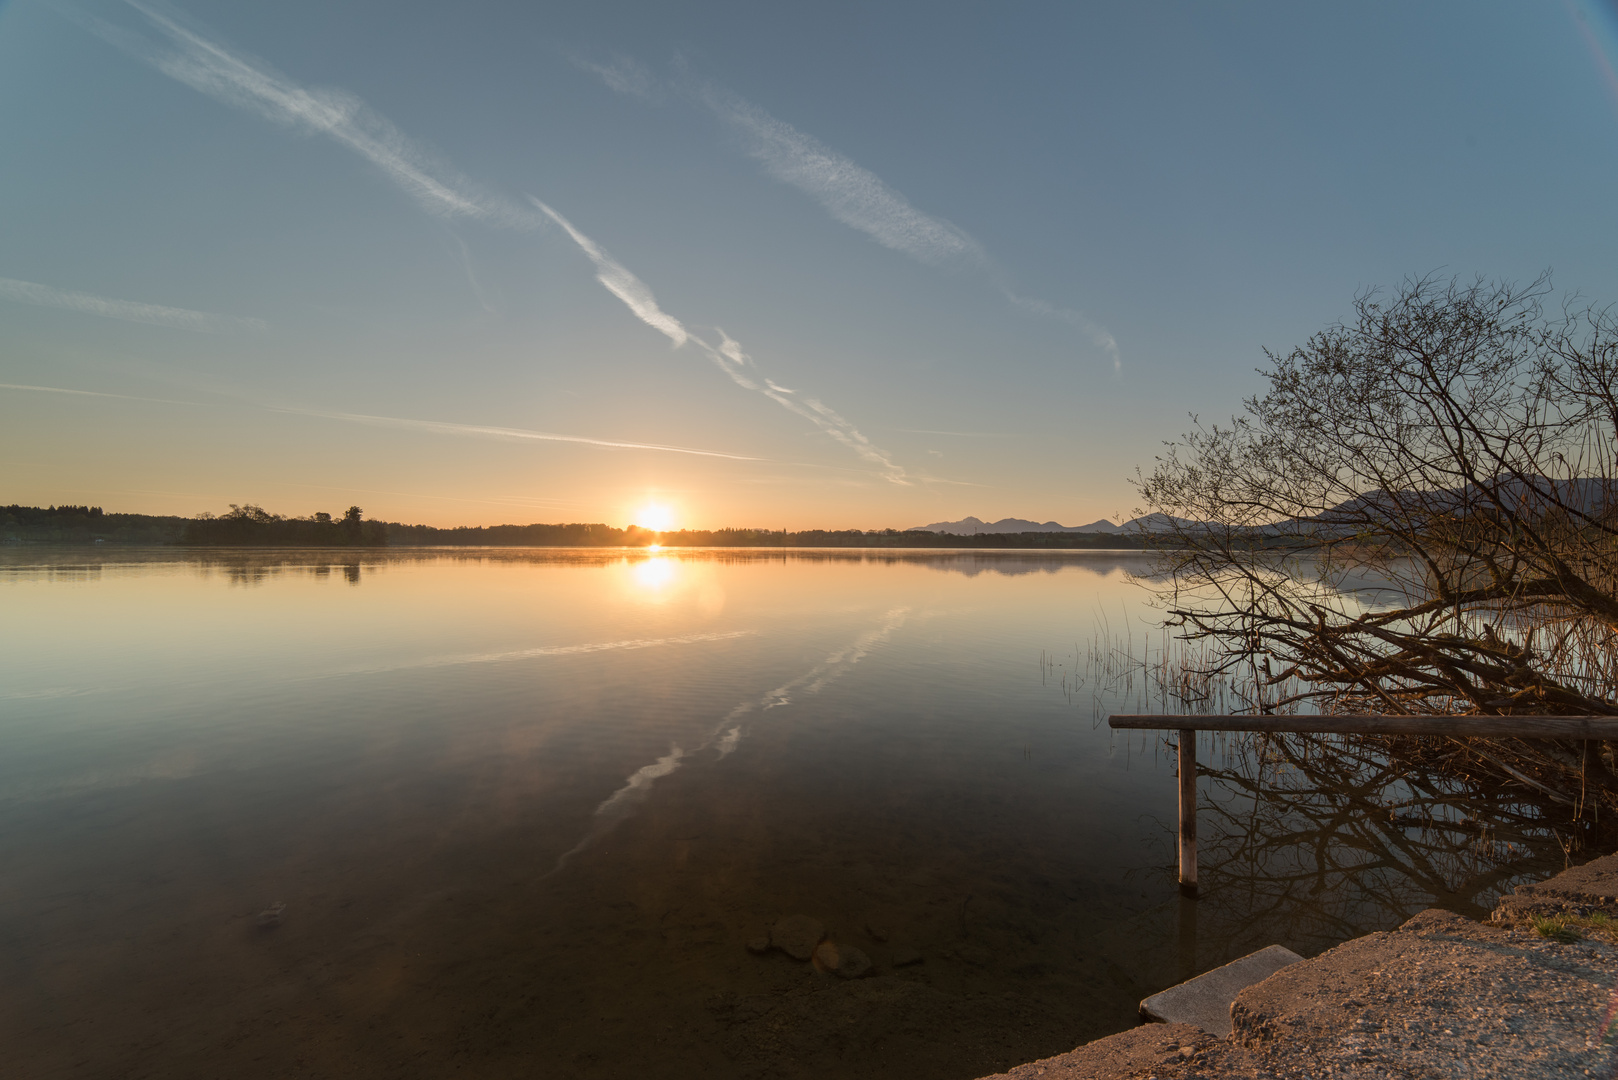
(1205, 1000)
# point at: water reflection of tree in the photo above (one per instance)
(1310, 841)
(1460, 445)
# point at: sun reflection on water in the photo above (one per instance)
(655, 574)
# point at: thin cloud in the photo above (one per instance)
(437, 427)
(210, 68)
(1097, 333)
(859, 199)
(728, 355)
(441, 427)
(28, 292)
(854, 196)
(620, 282)
(522, 501)
(94, 393)
(471, 275)
(625, 75)
(247, 83)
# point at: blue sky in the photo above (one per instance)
(787, 266)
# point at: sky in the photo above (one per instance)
(824, 265)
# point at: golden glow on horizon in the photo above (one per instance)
(658, 517)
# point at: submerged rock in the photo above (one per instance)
(904, 957)
(797, 936)
(976, 955)
(842, 960)
(760, 944)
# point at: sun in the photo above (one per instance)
(656, 517)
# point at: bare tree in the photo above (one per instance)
(1417, 516)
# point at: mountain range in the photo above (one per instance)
(971, 526)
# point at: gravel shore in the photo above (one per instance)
(1440, 997)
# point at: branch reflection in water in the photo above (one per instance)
(1308, 840)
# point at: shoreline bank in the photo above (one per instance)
(1526, 995)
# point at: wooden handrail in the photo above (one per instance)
(1188, 724)
(1497, 727)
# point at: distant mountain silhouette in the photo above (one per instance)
(1530, 497)
(971, 526)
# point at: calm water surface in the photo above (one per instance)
(520, 813)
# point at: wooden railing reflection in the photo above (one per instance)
(1188, 724)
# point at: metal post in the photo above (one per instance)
(1188, 812)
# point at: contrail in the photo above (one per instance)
(851, 194)
(208, 67)
(471, 275)
(1098, 334)
(95, 393)
(28, 292)
(441, 427)
(211, 69)
(727, 355)
(625, 75)
(859, 199)
(621, 283)
(854, 196)
(437, 427)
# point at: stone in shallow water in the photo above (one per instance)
(843, 960)
(797, 936)
(760, 944)
(904, 957)
(976, 955)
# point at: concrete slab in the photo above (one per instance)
(1205, 1000)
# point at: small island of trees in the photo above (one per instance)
(253, 526)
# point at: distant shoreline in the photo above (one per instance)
(84, 525)
(950, 543)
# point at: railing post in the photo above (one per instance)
(1188, 812)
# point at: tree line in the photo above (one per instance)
(250, 525)
(70, 524)
(634, 536)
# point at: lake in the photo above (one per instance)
(524, 812)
